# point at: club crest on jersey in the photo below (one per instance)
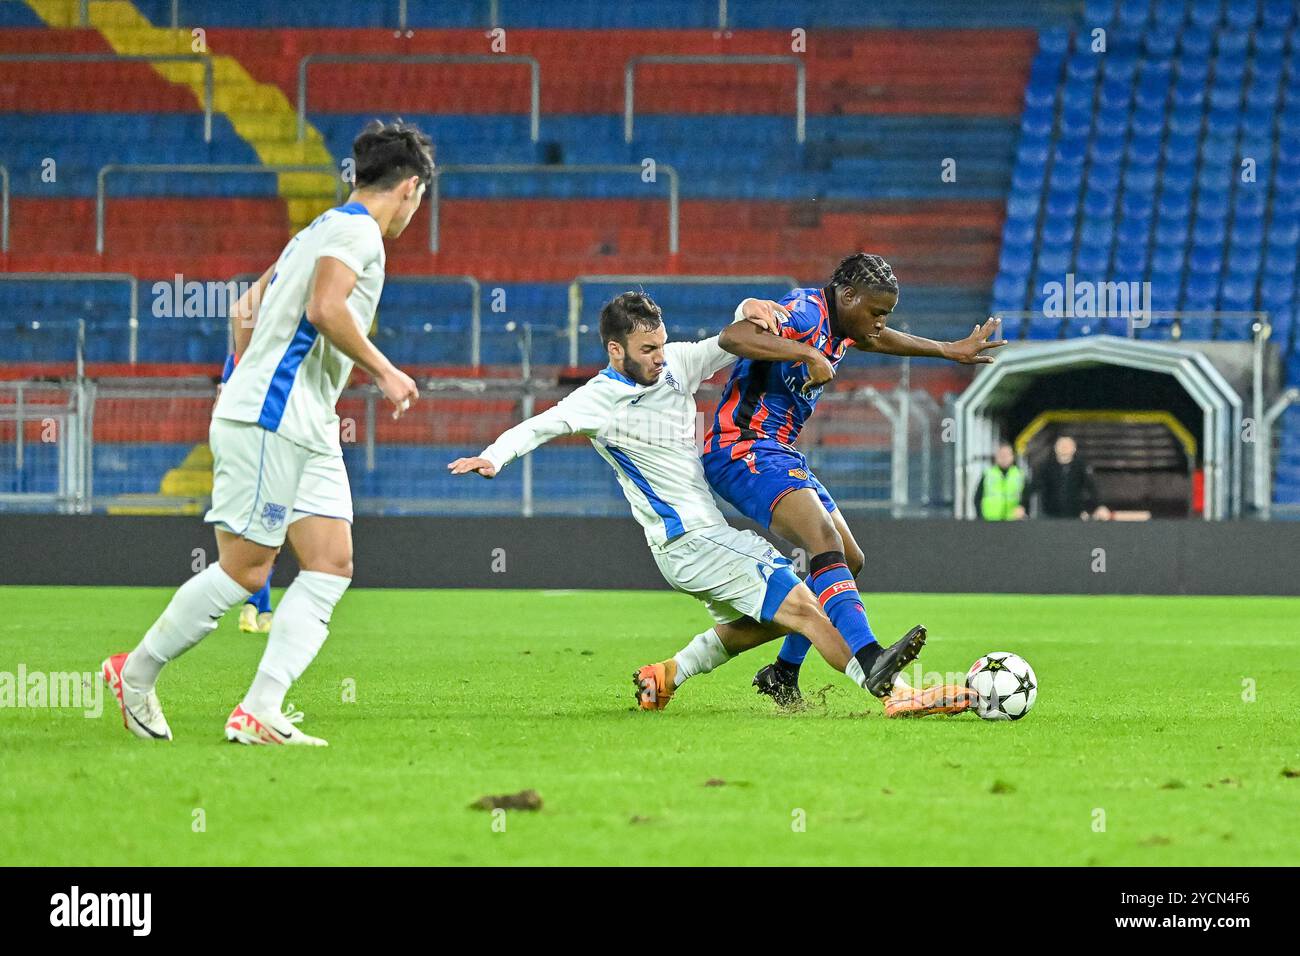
(272, 516)
(798, 473)
(668, 376)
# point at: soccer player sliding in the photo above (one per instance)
(751, 460)
(278, 468)
(639, 413)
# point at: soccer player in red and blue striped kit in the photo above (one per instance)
(751, 460)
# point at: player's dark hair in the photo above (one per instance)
(387, 153)
(865, 272)
(626, 313)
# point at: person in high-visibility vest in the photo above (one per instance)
(1001, 487)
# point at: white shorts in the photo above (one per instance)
(262, 482)
(735, 573)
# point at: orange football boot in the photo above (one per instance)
(940, 699)
(655, 684)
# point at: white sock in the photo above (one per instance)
(853, 670)
(298, 630)
(701, 655)
(192, 615)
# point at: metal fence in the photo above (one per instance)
(1281, 479)
(45, 458)
(4, 209)
(59, 333)
(138, 446)
(401, 13)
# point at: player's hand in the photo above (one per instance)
(971, 349)
(480, 466)
(820, 371)
(765, 313)
(1102, 513)
(1019, 513)
(399, 388)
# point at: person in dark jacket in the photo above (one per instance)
(1064, 486)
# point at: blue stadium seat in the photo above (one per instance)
(1205, 13)
(1280, 260)
(1098, 13)
(1165, 291)
(1133, 257)
(1133, 13)
(1237, 295)
(1195, 42)
(1201, 292)
(1277, 15)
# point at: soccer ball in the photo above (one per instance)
(1006, 686)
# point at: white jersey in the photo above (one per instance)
(290, 377)
(647, 434)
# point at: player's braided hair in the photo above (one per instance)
(864, 272)
(625, 313)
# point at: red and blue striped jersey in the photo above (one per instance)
(763, 404)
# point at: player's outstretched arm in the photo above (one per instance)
(477, 465)
(584, 411)
(967, 351)
(327, 310)
(750, 341)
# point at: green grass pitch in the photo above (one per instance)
(1144, 746)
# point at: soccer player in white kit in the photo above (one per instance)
(278, 467)
(640, 415)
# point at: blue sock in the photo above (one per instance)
(837, 593)
(262, 599)
(793, 650)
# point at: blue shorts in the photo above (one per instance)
(755, 483)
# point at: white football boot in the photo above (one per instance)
(270, 728)
(141, 712)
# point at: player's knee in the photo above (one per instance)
(250, 577)
(828, 539)
(854, 557)
(337, 565)
(801, 609)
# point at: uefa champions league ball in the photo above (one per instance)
(1006, 685)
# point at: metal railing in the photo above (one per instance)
(534, 68)
(493, 169)
(60, 411)
(1264, 440)
(205, 60)
(475, 308)
(575, 293)
(801, 80)
(493, 15)
(1133, 323)
(4, 209)
(392, 474)
(101, 182)
(133, 316)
